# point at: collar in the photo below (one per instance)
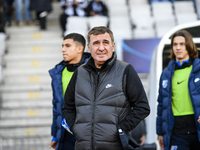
(72, 67)
(91, 66)
(185, 64)
(179, 64)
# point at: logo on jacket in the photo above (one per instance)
(164, 83)
(174, 147)
(196, 80)
(180, 82)
(120, 132)
(108, 86)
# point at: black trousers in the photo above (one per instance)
(185, 142)
(42, 21)
(63, 21)
(69, 141)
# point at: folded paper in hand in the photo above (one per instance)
(65, 125)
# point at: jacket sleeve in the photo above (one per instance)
(159, 110)
(105, 9)
(88, 9)
(137, 98)
(69, 110)
(62, 3)
(54, 124)
(2, 22)
(83, 4)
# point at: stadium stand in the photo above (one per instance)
(141, 27)
(183, 7)
(185, 11)
(159, 16)
(73, 25)
(198, 8)
(2, 50)
(133, 2)
(97, 21)
(186, 17)
(163, 15)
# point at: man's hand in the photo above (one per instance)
(142, 139)
(76, 3)
(198, 120)
(67, 4)
(53, 144)
(160, 140)
(92, 13)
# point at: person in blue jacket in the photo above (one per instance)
(178, 123)
(73, 53)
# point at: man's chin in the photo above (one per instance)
(101, 61)
(102, 58)
(66, 60)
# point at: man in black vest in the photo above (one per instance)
(105, 98)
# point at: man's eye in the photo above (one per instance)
(67, 45)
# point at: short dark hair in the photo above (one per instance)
(190, 46)
(76, 37)
(100, 30)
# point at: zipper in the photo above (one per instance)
(93, 111)
(195, 116)
(171, 113)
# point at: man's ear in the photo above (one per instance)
(80, 49)
(88, 47)
(113, 47)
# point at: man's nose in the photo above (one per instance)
(178, 46)
(101, 46)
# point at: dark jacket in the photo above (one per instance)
(139, 131)
(103, 12)
(8, 7)
(56, 74)
(41, 5)
(165, 118)
(98, 101)
(2, 22)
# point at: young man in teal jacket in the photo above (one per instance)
(73, 53)
(178, 123)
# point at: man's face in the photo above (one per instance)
(71, 49)
(101, 48)
(179, 49)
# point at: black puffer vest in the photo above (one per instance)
(100, 106)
